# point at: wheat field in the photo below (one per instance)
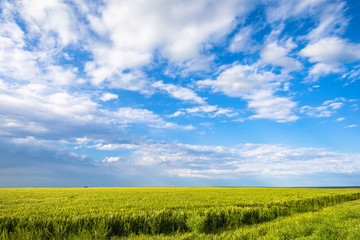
(164, 212)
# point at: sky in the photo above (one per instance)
(179, 93)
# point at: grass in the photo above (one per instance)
(104, 213)
(337, 222)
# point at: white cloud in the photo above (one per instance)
(332, 50)
(176, 114)
(330, 54)
(134, 80)
(352, 75)
(211, 111)
(268, 106)
(277, 55)
(38, 103)
(82, 140)
(179, 92)
(188, 95)
(327, 109)
(340, 119)
(15, 62)
(135, 115)
(108, 96)
(205, 109)
(134, 30)
(228, 112)
(26, 109)
(331, 21)
(111, 159)
(32, 141)
(256, 86)
(284, 9)
(189, 173)
(48, 47)
(49, 18)
(33, 55)
(242, 41)
(61, 76)
(323, 69)
(114, 146)
(325, 48)
(205, 161)
(116, 59)
(355, 107)
(241, 80)
(10, 124)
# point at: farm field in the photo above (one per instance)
(105, 213)
(337, 222)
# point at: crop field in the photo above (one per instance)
(177, 212)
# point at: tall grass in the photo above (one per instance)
(104, 222)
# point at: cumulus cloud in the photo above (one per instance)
(325, 48)
(178, 31)
(176, 114)
(327, 109)
(258, 88)
(268, 106)
(332, 50)
(240, 80)
(108, 96)
(15, 62)
(111, 159)
(33, 54)
(205, 161)
(51, 20)
(59, 75)
(179, 92)
(60, 62)
(277, 55)
(330, 54)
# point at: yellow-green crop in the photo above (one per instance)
(60, 213)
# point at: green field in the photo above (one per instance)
(172, 213)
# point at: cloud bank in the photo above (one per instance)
(202, 90)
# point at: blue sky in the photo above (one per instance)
(185, 93)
